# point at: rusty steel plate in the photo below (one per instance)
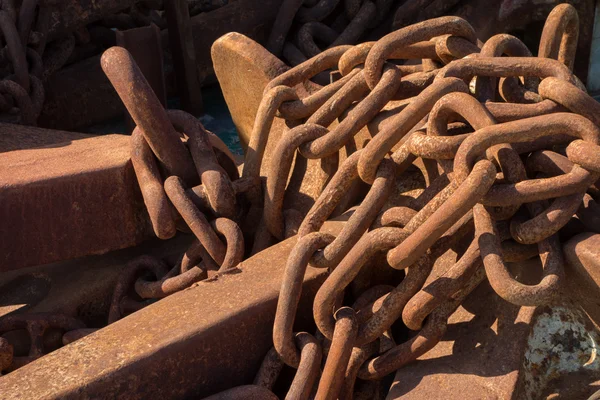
(496, 350)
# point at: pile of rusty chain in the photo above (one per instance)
(28, 56)
(101, 35)
(347, 26)
(146, 12)
(22, 68)
(508, 148)
(333, 23)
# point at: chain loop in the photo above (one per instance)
(36, 325)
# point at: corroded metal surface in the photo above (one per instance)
(479, 357)
(256, 65)
(581, 254)
(501, 351)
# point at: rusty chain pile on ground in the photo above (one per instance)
(24, 59)
(29, 55)
(303, 29)
(506, 146)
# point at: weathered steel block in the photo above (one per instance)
(479, 357)
(496, 350)
(73, 197)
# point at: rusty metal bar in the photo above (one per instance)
(168, 349)
(184, 55)
(144, 45)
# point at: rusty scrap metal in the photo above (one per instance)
(298, 24)
(503, 169)
(79, 95)
(183, 326)
(78, 31)
(187, 156)
(91, 204)
(21, 88)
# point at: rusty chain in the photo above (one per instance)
(37, 326)
(189, 182)
(506, 145)
(24, 59)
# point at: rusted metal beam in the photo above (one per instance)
(184, 55)
(80, 95)
(436, 372)
(202, 340)
(67, 197)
